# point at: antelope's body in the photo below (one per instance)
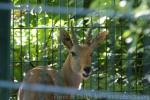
(75, 68)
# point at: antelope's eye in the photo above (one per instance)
(73, 53)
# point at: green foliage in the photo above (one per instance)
(118, 62)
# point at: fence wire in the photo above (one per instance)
(144, 14)
(73, 91)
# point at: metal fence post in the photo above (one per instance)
(146, 69)
(4, 49)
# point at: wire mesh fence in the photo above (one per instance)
(120, 65)
(94, 94)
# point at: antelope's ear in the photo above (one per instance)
(65, 38)
(98, 39)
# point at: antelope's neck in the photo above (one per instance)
(71, 79)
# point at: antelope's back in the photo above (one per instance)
(37, 75)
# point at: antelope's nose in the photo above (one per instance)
(86, 71)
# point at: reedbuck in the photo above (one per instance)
(75, 68)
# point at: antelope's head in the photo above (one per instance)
(80, 55)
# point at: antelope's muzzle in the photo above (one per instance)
(86, 71)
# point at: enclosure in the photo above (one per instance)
(29, 37)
